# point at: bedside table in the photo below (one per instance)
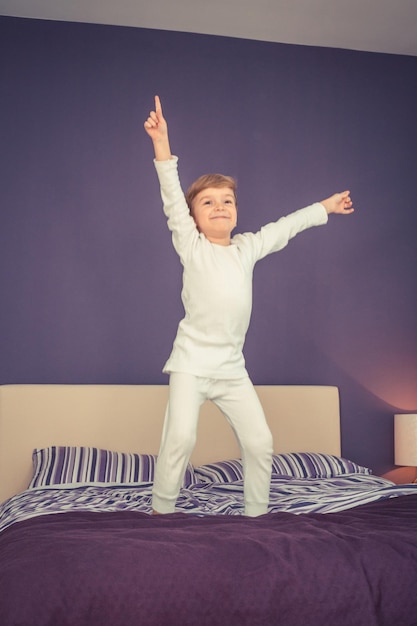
(402, 475)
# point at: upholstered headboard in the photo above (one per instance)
(129, 419)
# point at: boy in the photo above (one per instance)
(206, 361)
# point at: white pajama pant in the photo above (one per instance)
(239, 402)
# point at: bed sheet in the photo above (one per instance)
(352, 568)
(287, 494)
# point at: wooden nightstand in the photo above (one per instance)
(402, 475)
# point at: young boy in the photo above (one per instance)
(206, 361)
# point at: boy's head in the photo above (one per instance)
(209, 180)
(212, 203)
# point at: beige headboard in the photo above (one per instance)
(128, 418)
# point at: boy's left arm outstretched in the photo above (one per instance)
(339, 203)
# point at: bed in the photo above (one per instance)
(78, 544)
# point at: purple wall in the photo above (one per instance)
(89, 281)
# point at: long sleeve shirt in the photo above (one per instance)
(217, 282)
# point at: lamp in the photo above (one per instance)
(405, 436)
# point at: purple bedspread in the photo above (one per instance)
(353, 568)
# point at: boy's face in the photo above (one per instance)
(215, 213)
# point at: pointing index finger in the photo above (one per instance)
(158, 107)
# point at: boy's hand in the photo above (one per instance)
(339, 203)
(156, 125)
(157, 129)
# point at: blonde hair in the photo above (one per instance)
(205, 182)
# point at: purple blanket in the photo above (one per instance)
(353, 568)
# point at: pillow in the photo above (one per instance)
(220, 472)
(314, 465)
(59, 465)
(295, 464)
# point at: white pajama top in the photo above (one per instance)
(217, 282)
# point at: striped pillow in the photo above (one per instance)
(220, 472)
(314, 465)
(295, 464)
(60, 465)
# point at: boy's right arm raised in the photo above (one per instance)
(157, 129)
(180, 222)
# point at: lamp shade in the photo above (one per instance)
(405, 436)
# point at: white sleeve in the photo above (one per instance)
(276, 235)
(180, 222)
